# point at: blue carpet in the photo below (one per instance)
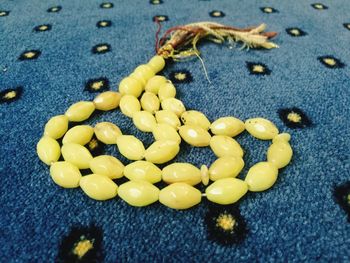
(298, 220)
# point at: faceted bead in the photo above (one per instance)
(108, 100)
(65, 174)
(155, 83)
(173, 105)
(279, 153)
(180, 196)
(166, 91)
(77, 155)
(80, 111)
(150, 102)
(138, 193)
(165, 131)
(229, 126)
(98, 187)
(130, 86)
(261, 128)
(223, 145)
(157, 63)
(80, 134)
(195, 135)
(56, 127)
(224, 167)
(162, 151)
(107, 132)
(144, 71)
(144, 121)
(226, 191)
(107, 165)
(129, 105)
(48, 150)
(195, 118)
(131, 147)
(143, 170)
(261, 176)
(168, 117)
(181, 173)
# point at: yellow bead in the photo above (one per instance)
(138, 193)
(56, 127)
(162, 151)
(205, 174)
(143, 170)
(48, 150)
(228, 126)
(226, 191)
(223, 145)
(165, 131)
(107, 165)
(261, 176)
(108, 100)
(180, 196)
(261, 128)
(150, 102)
(80, 134)
(157, 63)
(131, 147)
(77, 155)
(168, 117)
(279, 153)
(138, 77)
(144, 121)
(224, 167)
(144, 71)
(166, 91)
(173, 105)
(155, 83)
(195, 135)
(181, 173)
(129, 105)
(283, 137)
(98, 187)
(130, 86)
(107, 132)
(80, 111)
(65, 174)
(195, 118)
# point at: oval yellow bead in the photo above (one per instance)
(80, 134)
(65, 174)
(223, 145)
(144, 121)
(157, 63)
(154, 84)
(77, 155)
(195, 135)
(166, 91)
(168, 117)
(144, 71)
(108, 100)
(261, 128)
(205, 174)
(226, 191)
(138, 193)
(195, 118)
(229, 126)
(173, 105)
(98, 187)
(181, 173)
(180, 196)
(165, 131)
(107, 132)
(80, 111)
(261, 176)
(48, 150)
(282, 137)
(129, 105)
(107, 165)
(162, 151)
(56, 127)
(131, 147)
(130, 86)
(225, 167)
(143, 170)
(139, 78)
(150, 102)
(279, 153)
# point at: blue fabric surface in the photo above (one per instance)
(297, 220)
